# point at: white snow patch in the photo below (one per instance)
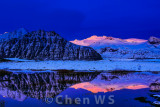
(156, 102)
(156, 96)
(17, 59)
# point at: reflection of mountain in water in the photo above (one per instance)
(106, 82)
(19, 86)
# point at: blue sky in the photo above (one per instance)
(83, 18)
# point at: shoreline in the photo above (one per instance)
(101, 65)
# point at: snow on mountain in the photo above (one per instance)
(110, 47)
(96, 41)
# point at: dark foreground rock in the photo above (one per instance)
(41, 45)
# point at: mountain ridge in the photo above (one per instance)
(43, 45)
(105, 40)
(132, 48)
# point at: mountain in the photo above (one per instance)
(11, 35)
(102, 41)
(110, 47)
(42, 45)
(154, 40)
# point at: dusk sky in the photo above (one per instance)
(79, 19)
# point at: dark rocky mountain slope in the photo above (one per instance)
(42, 45)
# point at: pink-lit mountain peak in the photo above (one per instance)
(105, 40)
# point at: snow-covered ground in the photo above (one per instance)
(130, 65)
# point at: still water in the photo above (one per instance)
(70, 88)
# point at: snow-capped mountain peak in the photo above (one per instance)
(110, 47)
(105, 40)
